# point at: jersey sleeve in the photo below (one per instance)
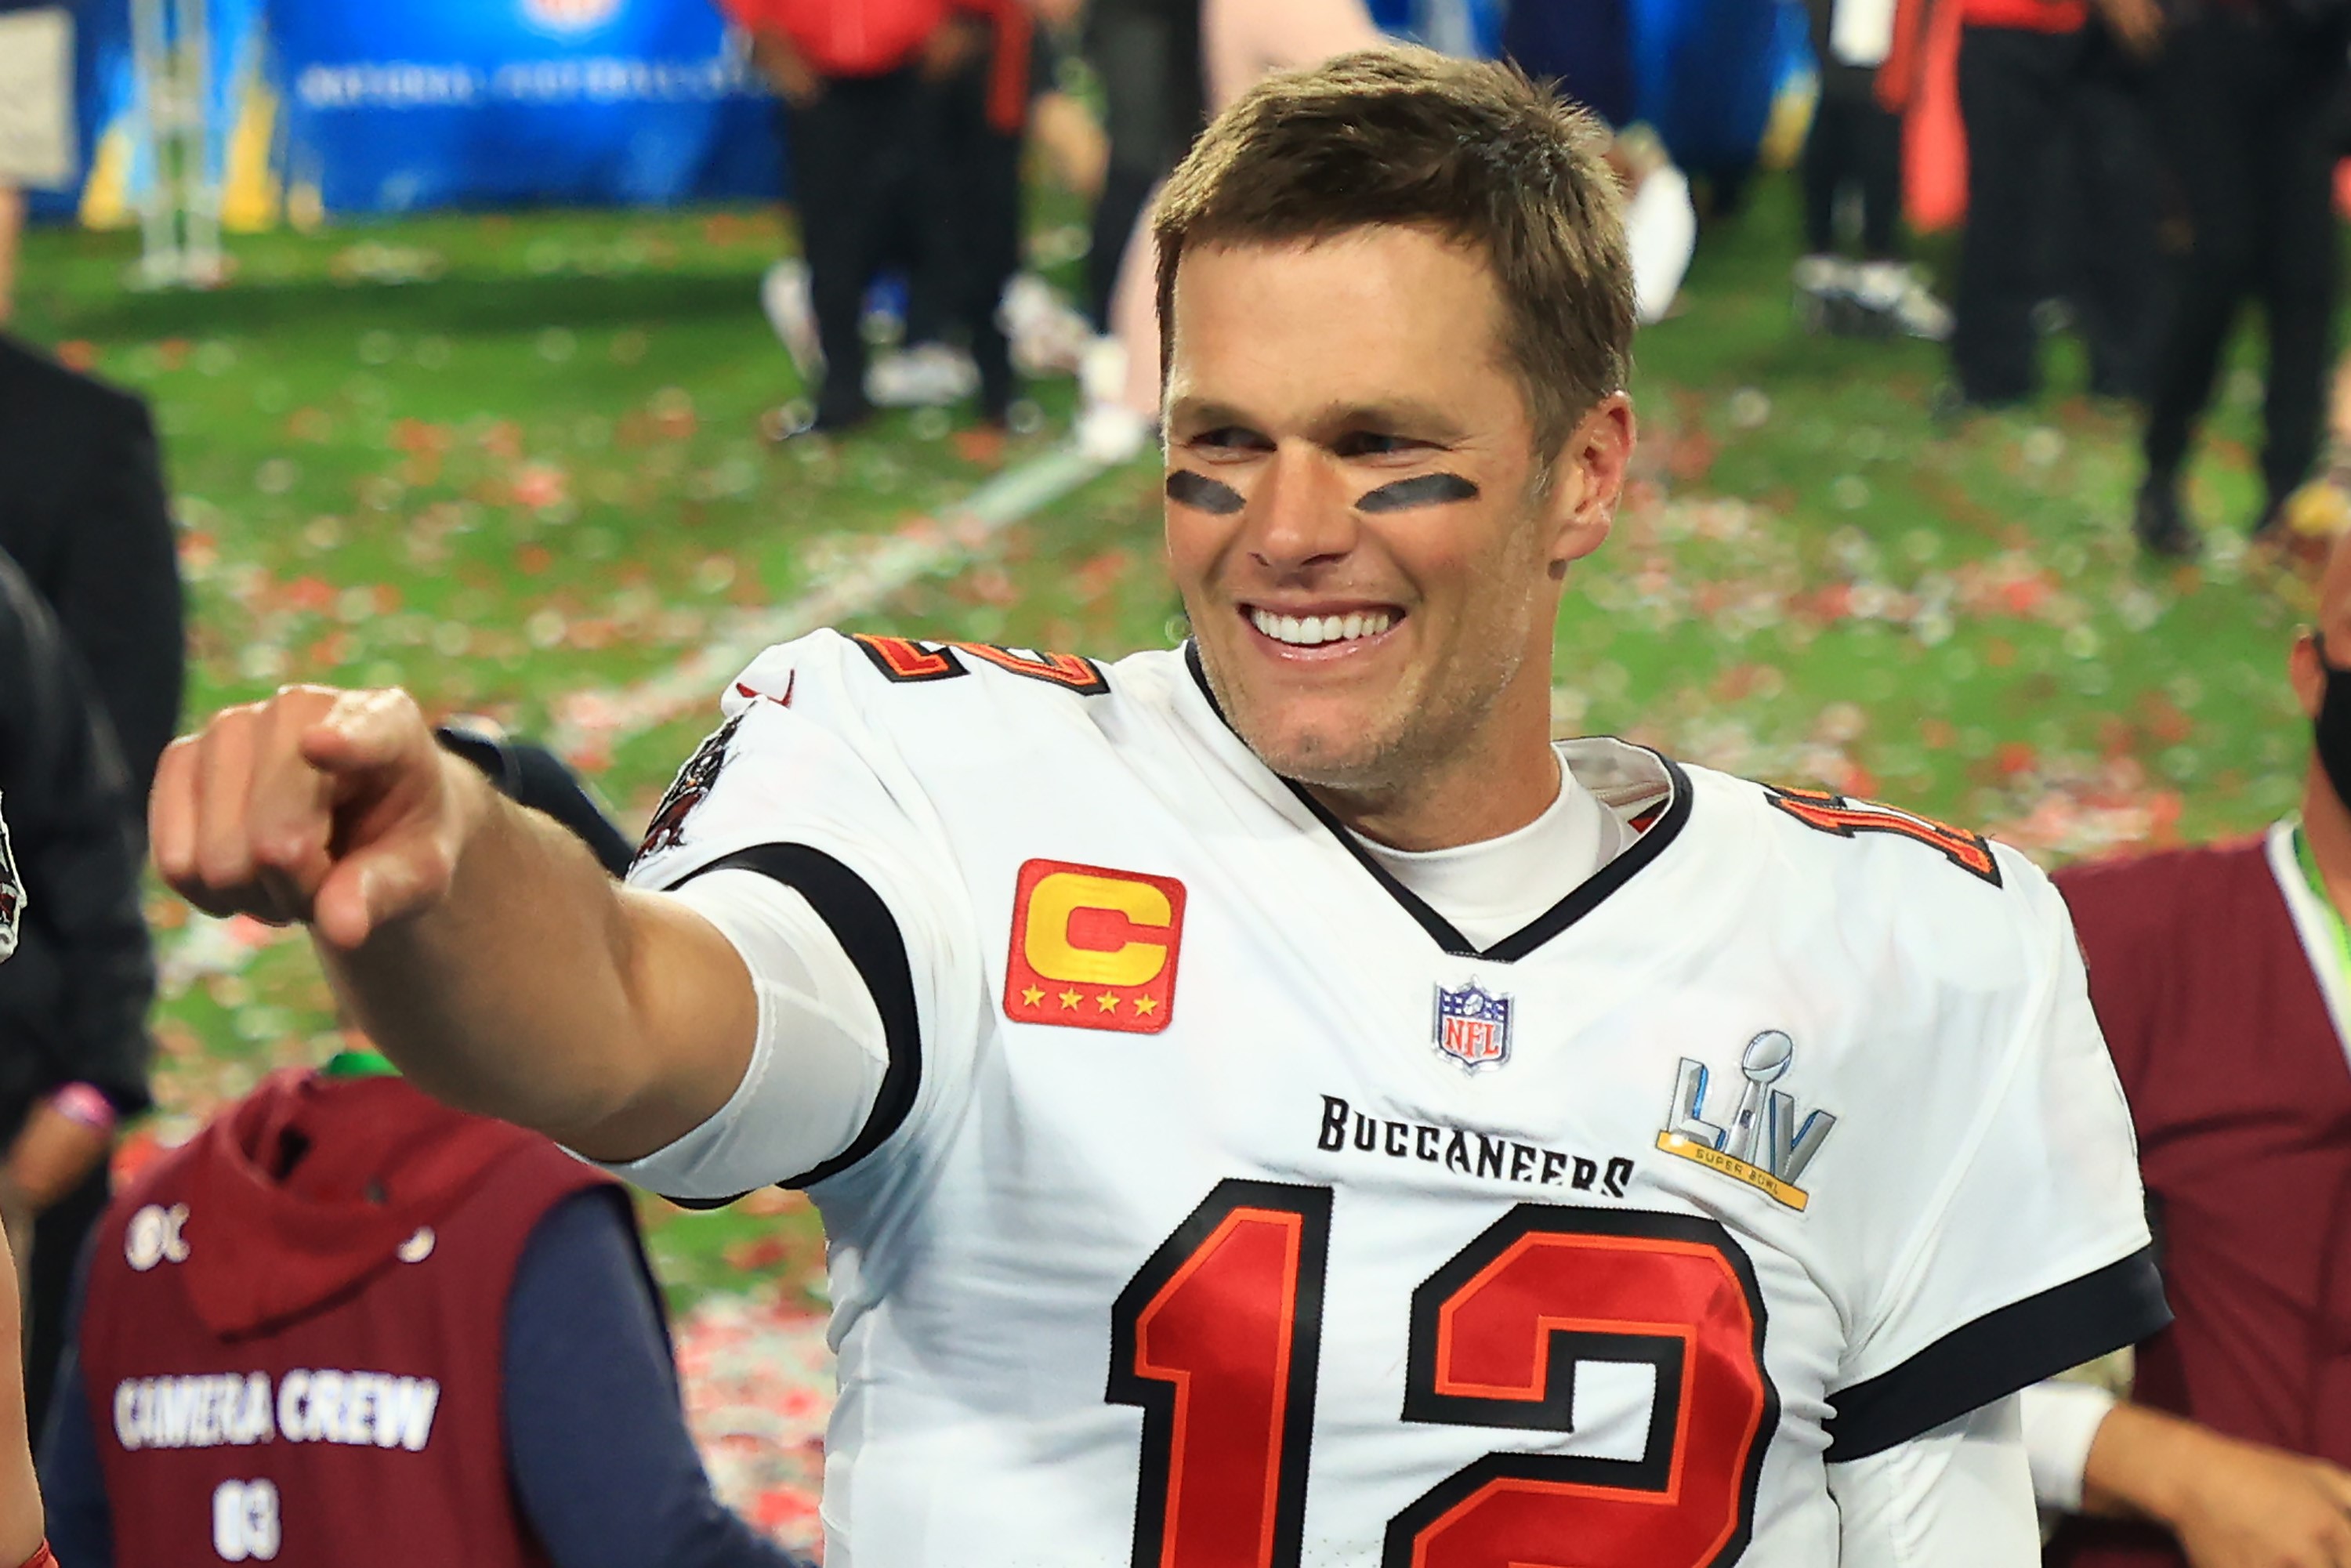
(820, 1060)
(797, 787)
(2019, 1247)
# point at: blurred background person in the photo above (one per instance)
(1853, 160)
(1145, 56)
(850, 78)
(405, 1335)
(1240, 41)
(84, 512)
(1583, 48)
(2221, 976)
(2248, 107)
(979, 100)
(73, 998)
(2061, 202)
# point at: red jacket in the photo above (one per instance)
(2028, 16)
(292, 1341)
(2241, 1095)
(845, 37)
(1011, 26)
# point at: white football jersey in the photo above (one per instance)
(1223, 1207)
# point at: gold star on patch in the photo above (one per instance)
(1070, 999)
(1146, 1006)
(1034, 995)
(1107, 1001)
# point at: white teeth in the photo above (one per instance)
(1315, 630)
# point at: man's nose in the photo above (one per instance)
(1299, 512)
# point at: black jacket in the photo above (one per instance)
(83, 511)
(74, 998)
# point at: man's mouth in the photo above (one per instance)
(1315, 631)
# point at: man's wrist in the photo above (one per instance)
(2142, 1464)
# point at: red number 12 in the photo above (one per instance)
(1216, 1339)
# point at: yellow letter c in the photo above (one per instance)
(1053, 900)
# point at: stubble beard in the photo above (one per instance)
(1420, 734)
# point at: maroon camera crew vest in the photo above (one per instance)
(2241, 1095)
(294, 1334)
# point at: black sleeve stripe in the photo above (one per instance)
(1999, 1354)
(863, 924)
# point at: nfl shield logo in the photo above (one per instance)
(1473, 1027)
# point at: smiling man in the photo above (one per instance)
(1269, 1103)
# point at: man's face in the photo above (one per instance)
(1353, 514)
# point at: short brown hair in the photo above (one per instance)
(1471, 149)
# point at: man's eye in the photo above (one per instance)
(1374, 443)
(1229, 438)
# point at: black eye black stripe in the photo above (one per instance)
(1186, 488)
(1421, 490)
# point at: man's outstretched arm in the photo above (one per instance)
(479, 943)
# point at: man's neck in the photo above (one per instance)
(1464, 804)
(2326, 828)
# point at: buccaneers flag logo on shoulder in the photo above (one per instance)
(687, 790)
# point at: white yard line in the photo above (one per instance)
(589, 724)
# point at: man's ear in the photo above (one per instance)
(2303, 668)
(1587, 481)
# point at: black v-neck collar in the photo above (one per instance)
(1581, 900)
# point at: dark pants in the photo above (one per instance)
(2061, 203)
(58, 1237)
(971, 180)
(1855, 144)
(855, 152)
(2247, 118)
(1148, 61)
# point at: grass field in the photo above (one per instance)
(504, 460)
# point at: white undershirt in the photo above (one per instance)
(1489, 889)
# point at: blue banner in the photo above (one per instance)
(439, 103)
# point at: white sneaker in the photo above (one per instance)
(1660, 236)
(1048, 337)
(784, 296)
(928, 375)
(1111, 433)
(1107, 430)
(1824, 285)
(1102, 370)
(1894, 292)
